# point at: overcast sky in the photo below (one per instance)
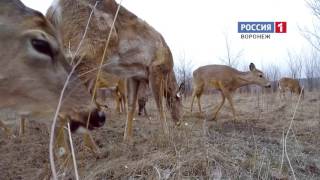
(197, 29)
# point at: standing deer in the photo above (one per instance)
(33, 72)
(291, 85)
(225, 79)
(135, 51)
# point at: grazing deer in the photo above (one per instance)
(225, 79)
(143, 96)
(135, 51)
(291, 85)
(33, 72)
(112, 83)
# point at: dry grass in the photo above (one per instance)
(251, 148)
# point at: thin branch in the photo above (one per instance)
(51, 156)
(285, 139)
(103, 57)
(73, 154)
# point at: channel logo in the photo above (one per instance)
(262, 27)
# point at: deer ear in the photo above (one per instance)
(180, 90)
(182, 87)
(252, 67)
(178, 95)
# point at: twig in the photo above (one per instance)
(157, 172)
(103, 57)
(73, 154)
(282, 156)
(285, 139)
(51, 157)
(52, 164)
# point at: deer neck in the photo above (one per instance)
(244, 79)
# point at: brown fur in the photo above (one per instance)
(226, 80)
(136, 51)
(34, 69)
(291, 85)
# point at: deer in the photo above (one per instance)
(136, 51)
(226, 80)
(112, 83)
(143, 96)
(291, 85)
(33, 72)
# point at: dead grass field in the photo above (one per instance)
(251, 148)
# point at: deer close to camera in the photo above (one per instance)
(33, 72)
(225, 79)
(135, 51)
(289, 84)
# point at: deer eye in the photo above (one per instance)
(260, 76)
(42, 47)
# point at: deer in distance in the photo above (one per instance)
(225, 79)
(289, 84)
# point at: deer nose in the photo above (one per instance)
(268, 86)
(97, 119)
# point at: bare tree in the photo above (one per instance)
(312, 35)
(231, 58)
(311, 63)
(183, 70)
(294, 62)
(273, 73)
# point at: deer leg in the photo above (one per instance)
(280, 93)
(132, 91)
(232, 106)
(219, 107)
(157, 87)
(6, 129)
(123, 102)
(22, 126)
(199, 104)
(284, 94)
(118, 103)
(140, 107)
(145, 110)
(89, 142)
(193, 96)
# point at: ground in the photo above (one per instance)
(250, 148)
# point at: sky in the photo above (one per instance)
(196, 30)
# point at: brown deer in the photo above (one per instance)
(112, 83)
(289, 84)
(225, 79)
(33, 72)
(143, 96)
(135, 51)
